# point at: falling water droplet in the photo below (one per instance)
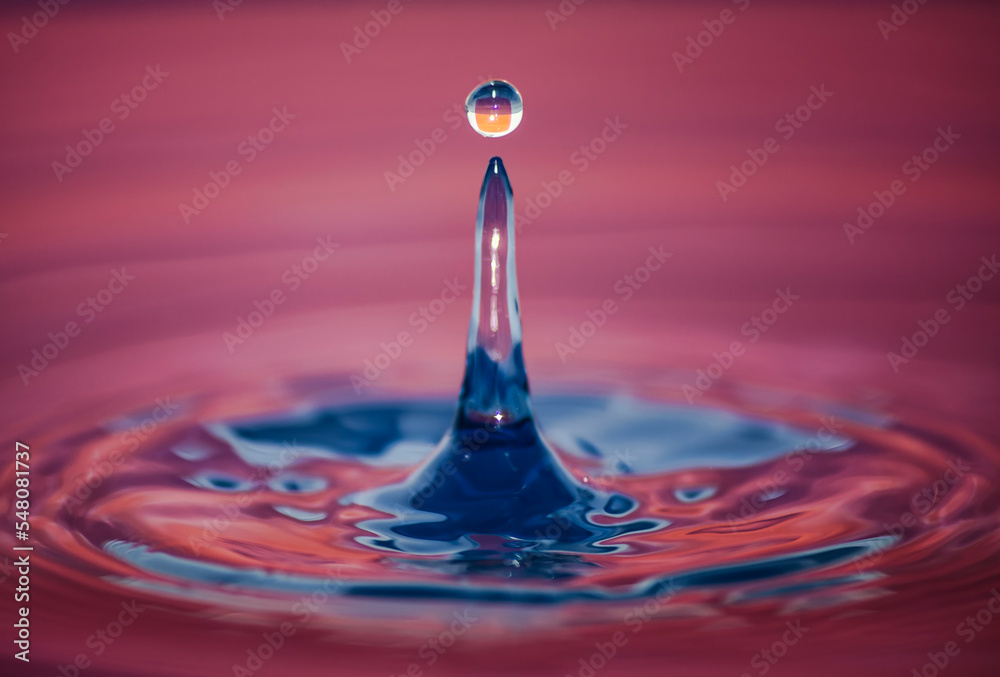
(494, 108)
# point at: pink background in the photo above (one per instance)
(655, 185)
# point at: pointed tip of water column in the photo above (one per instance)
(495, 173)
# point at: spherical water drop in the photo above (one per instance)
(494, 108)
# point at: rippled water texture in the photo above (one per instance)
(733, 507)
(763, 509)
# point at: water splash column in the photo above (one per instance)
(495, 388)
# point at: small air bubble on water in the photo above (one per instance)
(694, 494)
(220, 481)
(297, 484)
(301, 515)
